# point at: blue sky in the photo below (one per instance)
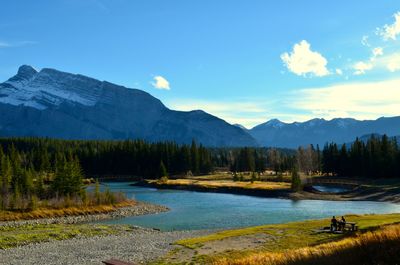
(244, 61)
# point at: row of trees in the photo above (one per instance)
(253, 159)
(102, 158)
(377, 157)
(35, 167)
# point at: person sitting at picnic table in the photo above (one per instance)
(342, 223)
(334, 223)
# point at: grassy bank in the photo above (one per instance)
(60, 212)
(218, 184)
(376, 247)
(255, 244)
(271, 185)
(27, 234)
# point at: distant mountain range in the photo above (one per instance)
(320, 131)
(51, 103)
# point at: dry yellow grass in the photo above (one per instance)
(260, 185)
(375, 247)
(49, 213)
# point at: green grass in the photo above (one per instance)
(295, 234)
(381, 246)
(22, 235)
(283, 237)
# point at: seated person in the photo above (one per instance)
(343, 220)
(342, 223)
(334, 224)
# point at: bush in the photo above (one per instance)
(163, 180)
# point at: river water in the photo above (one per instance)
(203, 210)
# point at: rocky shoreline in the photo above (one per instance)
(139, 246)
(140, 208)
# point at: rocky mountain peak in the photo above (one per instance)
(25, 73)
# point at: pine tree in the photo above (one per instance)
(296, 181)
(162, 172)
(195, 158)
(6, 176)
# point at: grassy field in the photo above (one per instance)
(266, 176)
(215, 184)
(26, 234)
(68, 211)
(273, 240)
(375, 247)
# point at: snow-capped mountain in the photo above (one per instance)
(320, 131)
(52, 103)
(48, 87)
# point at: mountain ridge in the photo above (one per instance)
(320, 131)
(52, 103)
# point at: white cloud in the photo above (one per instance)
(378, 51)
(160, 83)
(361, 67)
(391, 31)
(364, 41)
(359, 100)
(302, 60)
(392, 62)
(339, 71)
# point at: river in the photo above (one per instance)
(203, 210)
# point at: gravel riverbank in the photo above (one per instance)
(138, 246)
(140, 208)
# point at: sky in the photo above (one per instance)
(243, 61)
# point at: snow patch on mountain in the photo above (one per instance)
(48, 87)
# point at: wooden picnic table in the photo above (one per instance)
(351, 225)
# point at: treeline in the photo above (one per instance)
(103, 158)
(378, 157)
(251, 159)
(143, 159)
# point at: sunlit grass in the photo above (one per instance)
(67, 211)
(215, 184)
(289, 236)
(375, 247)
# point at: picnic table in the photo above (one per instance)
(352, 226)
